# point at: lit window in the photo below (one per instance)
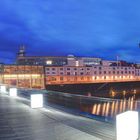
(49, 62)
(77, 63)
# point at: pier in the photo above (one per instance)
(19, 121)
(54, 121)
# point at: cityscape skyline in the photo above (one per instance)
(82, 28)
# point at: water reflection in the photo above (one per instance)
(106, 107)
(112, 108)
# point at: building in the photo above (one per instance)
(40, 71)
(94, 74)
(28, 76)
(23, 59)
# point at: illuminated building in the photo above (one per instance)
(33, 76)
(94, 74)
(23, 76)
(38, 72)
(23, 59)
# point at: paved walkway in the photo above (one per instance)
(19, 122)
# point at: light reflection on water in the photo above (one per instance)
(106, 107)
(115, 107)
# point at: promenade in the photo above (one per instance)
(19, 122)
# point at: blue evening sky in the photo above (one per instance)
(100, 28)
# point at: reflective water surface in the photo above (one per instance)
(97, 106)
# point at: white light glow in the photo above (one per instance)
(36, 100)
(131, 77)
(3, 89)
(49, 62)
(127, 125)
(77, 63)
(13, 92)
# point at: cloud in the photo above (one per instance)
(81, 27)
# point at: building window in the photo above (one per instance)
(47, 69)
(68, 68)
(82, 78)
(88, 73)
(68, 73)
(75, 78)
(88, 78)
(53, 68)
(61, 73)
(61, 78)
(100, 68)
(53, 79)
(132, 72)
(88, 68)
(49, 62)
(81, 69)
(81, 73)
(61, 68)
(75, 73)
